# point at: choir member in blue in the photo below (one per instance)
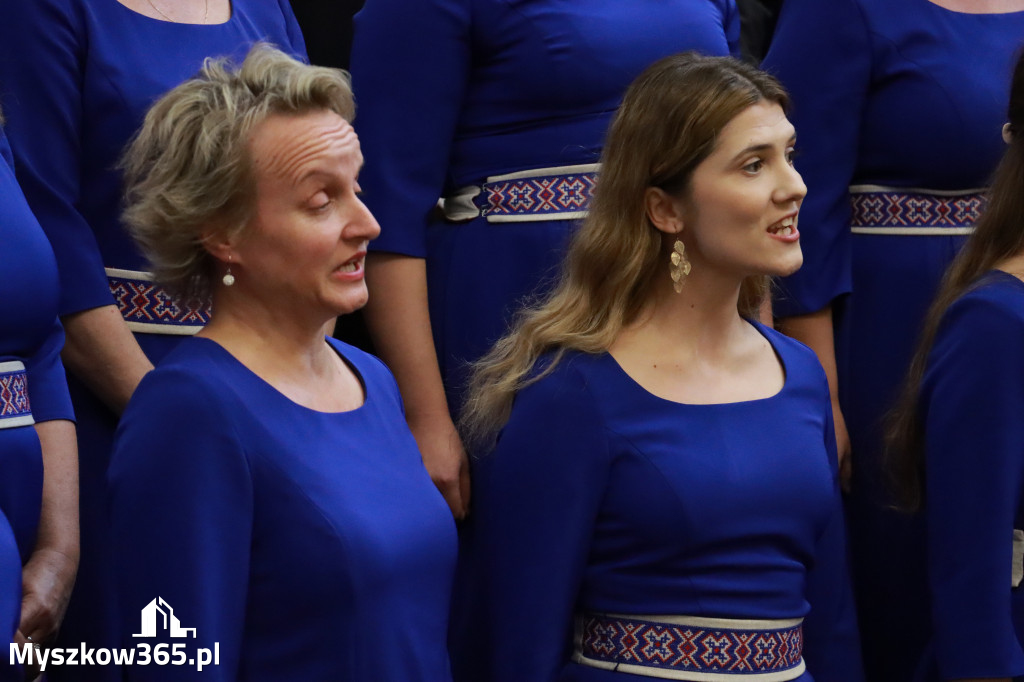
(36, 429)
(264, 483)
(663, 498)
(500, 107)
(898, 107)
(957, 438)
(76, 77)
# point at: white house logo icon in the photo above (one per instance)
(170, 622)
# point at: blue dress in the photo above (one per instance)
(602, 498)
(103, 65)
(309, 545)
(30, 334)
(895, 93)
(972, 399)
(509, 86)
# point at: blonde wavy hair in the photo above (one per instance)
(187, 171)
(668, 123)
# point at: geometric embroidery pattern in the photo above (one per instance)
(14, 395)
(889, 209)
(692, 649)
(540, 196)
(146, 302)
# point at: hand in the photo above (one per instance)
(445, 459)
(843, 446)
(47, 580)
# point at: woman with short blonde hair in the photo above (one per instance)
(264, 484)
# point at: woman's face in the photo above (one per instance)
(740, 213)
(305, 246)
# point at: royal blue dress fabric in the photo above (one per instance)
(971, 402)
(310, 545)
(896, 93)
(76, 78)
(601, 497)
(509, 85)
(30, 333)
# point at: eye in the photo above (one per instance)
(319, 201)
(791, 155)
(754, 166)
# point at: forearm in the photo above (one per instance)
(102, 352)
(58, 520)
(49, 575)
(399, 322)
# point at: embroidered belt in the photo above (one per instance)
(560, 193)
(149, 308)
(903, 211)
(14, 406)
(692, 648)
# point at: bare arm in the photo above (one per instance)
(49, 575)
(101, 351)
(815, 330)
(399, 323)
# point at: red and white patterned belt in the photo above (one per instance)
(559, 193)
(692, 648)
(149, 308)
(905, 211)
(15, 409)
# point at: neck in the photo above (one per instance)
(269, 342)
(701, 316)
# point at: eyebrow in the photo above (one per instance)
(319, 172)
(760, 148)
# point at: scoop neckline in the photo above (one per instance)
(736, 403)
(270, 388)
(972, 14)
(231, 16)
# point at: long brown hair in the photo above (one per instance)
(998, 235)
(668, 123)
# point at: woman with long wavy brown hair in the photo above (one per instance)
(956, 439)
(657, 450)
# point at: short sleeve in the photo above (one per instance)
(832, 640)
(822, 54)
(47, 382)
(972, 400)
(182, 513)
(42, 57)
(296, 43)
(536, 499)
(410, 66)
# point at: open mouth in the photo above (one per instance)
(784, 227)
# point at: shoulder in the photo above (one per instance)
(563, 385)
(191, 379)
(800, 363)
(989, 318)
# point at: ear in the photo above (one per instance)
(663, 210)
(219, 245)
(1007, 133)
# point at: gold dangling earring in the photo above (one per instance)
(678, 267)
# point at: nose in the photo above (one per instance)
(361, 225)
(791, 186)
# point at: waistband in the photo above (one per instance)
(14, 406)
(149, 308)
(692, 648)
(907, 211)
(558, 193)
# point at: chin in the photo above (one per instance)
(351, 303)
(789, 265)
